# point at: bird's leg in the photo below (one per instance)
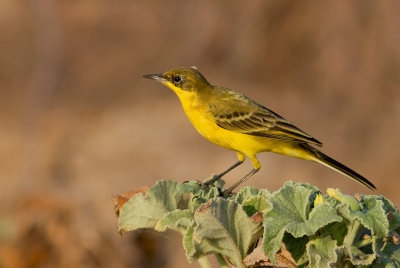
(241, 157)
(247, 176)
(217, 177)
(230, 168)
(256, 168)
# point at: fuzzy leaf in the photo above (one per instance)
(390, 256)
(321, 252)
(255, 204)
(144, 211)
(297, 247)
(188, 244)
(372, 216)
(223, 227)
(246, 193)
(290, 212)
(200, 196)
(178, 220)
(249, 192)
(358, 257)
(391, 211)
(337, 230)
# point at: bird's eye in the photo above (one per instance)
(177, 79)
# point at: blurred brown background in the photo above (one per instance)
(79, 123)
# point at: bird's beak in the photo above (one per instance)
(158, 77)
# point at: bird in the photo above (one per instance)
(234, 121)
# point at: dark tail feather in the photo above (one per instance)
(339, 167)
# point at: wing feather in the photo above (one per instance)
(235, 112)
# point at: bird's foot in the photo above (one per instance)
(229, 191)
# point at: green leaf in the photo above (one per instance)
(290, 212)
(318, 231)
(223, 227)
(394, 220)
(308, 186)
(359, 257)
(337, 230)
(188, 244)
(321, 252)
(357, 243)
(249, 192)
(296, 247)
(255, 204)
(391, 211)
(200, 196)
(372, 215)
(390, 257)
(144, 211)
(191, 187)
(178, 220)
(388, 253)
(375, 219)
(252, 199)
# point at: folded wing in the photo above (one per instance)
(236, 112)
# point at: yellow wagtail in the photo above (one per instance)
(234, 121)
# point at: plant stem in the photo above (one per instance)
(351, 236)
(221, 260)
(204, 262)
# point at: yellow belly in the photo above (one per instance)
(249, 145)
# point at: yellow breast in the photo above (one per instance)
(197, 110)
(202, 119)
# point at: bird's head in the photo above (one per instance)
(181, 79)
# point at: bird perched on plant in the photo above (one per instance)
(234, 121)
